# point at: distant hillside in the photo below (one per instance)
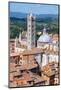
(18, 15)
(24, 15)
(46, 18)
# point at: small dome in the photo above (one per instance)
(45, 38)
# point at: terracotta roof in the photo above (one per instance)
(13, 84)
(27, 66)
(12, 67)
(40, 79)
(32, 51)
(16, 73)
(49, 69)
(14, 54)
(11, 77)
(24, 79)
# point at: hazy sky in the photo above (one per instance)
(34, 8)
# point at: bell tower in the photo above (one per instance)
(30, 31)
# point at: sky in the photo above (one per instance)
(34, 8)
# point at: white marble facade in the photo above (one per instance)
(46, 59)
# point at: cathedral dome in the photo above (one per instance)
(45, 38)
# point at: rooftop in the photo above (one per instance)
(32, 51)
(49, 69)
(14, 54)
